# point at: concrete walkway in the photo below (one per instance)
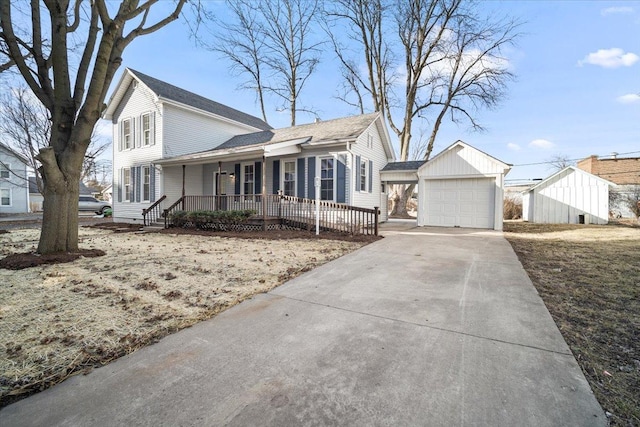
(425, 327)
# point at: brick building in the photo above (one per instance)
(621, 171)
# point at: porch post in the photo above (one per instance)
(264, 193)
(217, 198)
(183, 192)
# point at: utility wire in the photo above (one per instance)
(549, 162)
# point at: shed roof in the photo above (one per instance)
(550, 178)
(169, 92)
(411, 165)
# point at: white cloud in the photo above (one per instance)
(542, 143)
(629, 98)
(610, 58)
(613, 10)
(512, 146)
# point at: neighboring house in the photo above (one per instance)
(570, 196)
(623, 171)
(171, 142)
(459, 187)
(14, 186)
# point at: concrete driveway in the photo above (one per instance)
(425, 327)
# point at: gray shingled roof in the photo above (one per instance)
(174, 93)
(404, 166)
(331, 130)
(33, 187)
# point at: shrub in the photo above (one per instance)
(512, 207)
(107, 213)
(210, 219)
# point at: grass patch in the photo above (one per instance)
(589, 279)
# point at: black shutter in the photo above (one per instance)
(152, 183)
(237, 174)
(276, 176)
(357, 186)
(257, 178)
(300, 177)
(119, 185)
(311, 165)
(370, 176)
(138, 185)
(341, 183)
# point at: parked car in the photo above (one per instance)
(89, 203)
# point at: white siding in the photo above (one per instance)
(187, 131)
(17, 184)
(570, 194)
(137, 101)
(376, 153)
(460, 161)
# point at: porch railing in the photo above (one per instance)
(153, 212)
(295, 212)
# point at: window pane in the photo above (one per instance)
(146, 181)
(290, 178)
(5, 197)
(146, 131)
(4, 172)
(248, 179)
(326, 175)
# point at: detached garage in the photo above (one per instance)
(461, 187)
(571, 196)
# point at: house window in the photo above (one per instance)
(248, 179)
(146, 129)
(146, 183)
(369, 141)
(127, 137)
(289, 178)
(363, 175)
(5, 197)
(5, 171)
(326, 178)
(126, 179)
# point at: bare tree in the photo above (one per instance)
(452, 65)
(559, 162)
(73, 94)
(25, 126)
(271, 42)
(242, 43)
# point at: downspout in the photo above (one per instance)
(351, 178)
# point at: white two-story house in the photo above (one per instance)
(169, 142)
(14, 186)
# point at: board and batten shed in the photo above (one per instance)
(462, 187)
(570, 196)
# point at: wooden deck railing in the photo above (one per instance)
(295, 212)
(153, 212)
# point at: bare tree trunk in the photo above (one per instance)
(399, 199)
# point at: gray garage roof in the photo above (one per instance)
(411, 165)
(174, 93)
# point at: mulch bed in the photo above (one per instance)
(275, 234)
(30, 259)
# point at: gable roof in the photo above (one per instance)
(175, 95)
(341, 130)
(469, 161)
(14, 153)
(568, 168)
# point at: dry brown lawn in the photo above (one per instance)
(64, 319)
(589, 279)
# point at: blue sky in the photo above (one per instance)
(577, 90)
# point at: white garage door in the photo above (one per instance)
(459, 202)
